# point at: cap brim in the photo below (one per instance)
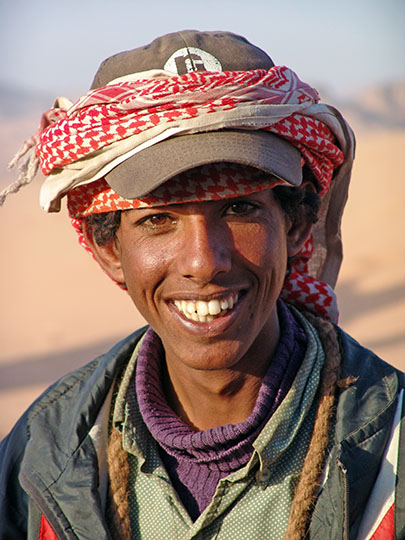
(148, 169)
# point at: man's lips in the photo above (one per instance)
(206, 311)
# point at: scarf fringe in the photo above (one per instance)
(27, 171)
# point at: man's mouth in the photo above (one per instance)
(202, 311)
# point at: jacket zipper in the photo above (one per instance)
(343, 472)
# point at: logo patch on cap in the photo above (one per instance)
(192, 59)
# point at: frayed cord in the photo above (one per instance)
(27, 170)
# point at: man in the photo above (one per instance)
(194, 172)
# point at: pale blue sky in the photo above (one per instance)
(56, 46)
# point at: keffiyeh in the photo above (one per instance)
(112, 123)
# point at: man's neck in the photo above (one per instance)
(205, 399)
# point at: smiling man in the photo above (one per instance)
(209, 184)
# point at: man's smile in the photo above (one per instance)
(205, 311)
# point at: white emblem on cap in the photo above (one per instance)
(192, 59)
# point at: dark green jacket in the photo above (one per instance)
(49, 464)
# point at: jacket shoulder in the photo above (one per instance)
(95, 377)
(358, 361)
(365, 409)
(82, 390)
(368, 402)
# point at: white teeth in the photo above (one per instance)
(213, 307)
(190, 307)
(202, 308)
(201, 311)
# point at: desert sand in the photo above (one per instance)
(58, 310)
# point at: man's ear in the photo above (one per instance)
(107, 255)
(298, 234)
(301, 227)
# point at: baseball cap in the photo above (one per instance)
(181, 53)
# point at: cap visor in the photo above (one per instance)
(148, 169)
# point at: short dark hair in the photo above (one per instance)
(103, 226)
(297, 204)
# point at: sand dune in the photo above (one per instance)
(371, 287)
(58, 309)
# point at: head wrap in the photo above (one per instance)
(85, 141)
(112, 123)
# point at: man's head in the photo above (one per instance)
(193, 100)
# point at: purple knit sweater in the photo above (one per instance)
(196, 461)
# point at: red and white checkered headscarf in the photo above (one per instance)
(85, 141)
(114, 122)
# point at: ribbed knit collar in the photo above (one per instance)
(223, 448)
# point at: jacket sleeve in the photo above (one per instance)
(13, 499)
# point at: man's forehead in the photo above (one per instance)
(262, 192)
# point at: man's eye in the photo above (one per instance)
(156, 221)
(240, 208)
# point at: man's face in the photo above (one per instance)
(207, 275)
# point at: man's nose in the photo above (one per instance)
(206, 249)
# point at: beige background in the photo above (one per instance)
(58, 309)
